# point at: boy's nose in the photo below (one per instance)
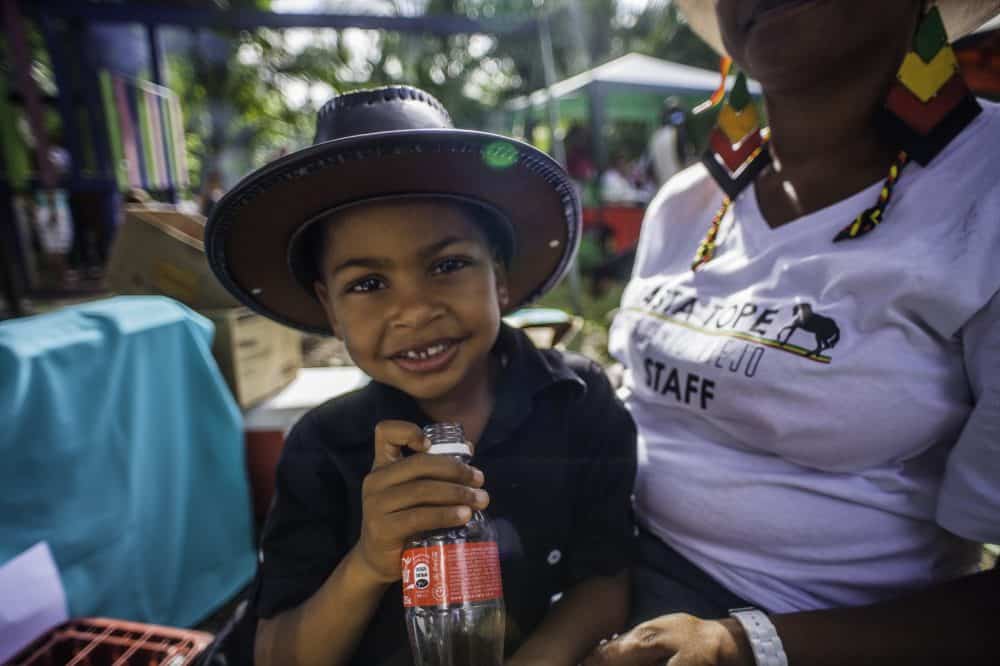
(415, 307)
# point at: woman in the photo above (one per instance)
(812, 339)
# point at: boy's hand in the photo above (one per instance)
(403, 496)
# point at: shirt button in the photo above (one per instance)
(554, 557)
(260, 556)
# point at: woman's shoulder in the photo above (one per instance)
(960, 185)
(689, 190)
(677, 219)
(987, 123)
(972, 159)
(942, 227)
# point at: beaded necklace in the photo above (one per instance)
(866, 220)
(928, 105)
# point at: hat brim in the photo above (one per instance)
(250, 230)
(960, 18)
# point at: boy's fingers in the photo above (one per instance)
(403, 524)
(423, 466)
(427, 492)
(391, 437)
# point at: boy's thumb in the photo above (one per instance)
(391, 437)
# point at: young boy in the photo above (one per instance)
(409, 239)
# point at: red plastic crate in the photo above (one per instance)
(104, 642)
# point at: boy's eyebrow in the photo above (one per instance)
(361, 262)
(374, 263)
(437, 246)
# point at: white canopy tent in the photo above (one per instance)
(633, 71)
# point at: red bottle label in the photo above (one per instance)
(451, 573)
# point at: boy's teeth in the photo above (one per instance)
(433, 350)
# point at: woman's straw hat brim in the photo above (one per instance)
(960, 17)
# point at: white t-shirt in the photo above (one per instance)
(817, 421)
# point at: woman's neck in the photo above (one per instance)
(824, 143)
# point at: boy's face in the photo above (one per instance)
(413, 290)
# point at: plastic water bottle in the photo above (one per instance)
(452, 591)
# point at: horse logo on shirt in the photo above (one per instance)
(825, 329)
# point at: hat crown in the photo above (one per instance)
(379, 110)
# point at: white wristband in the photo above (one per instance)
(763, 637)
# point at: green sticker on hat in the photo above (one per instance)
(500, 155)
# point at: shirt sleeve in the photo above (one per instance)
(603, 534)
(969, 503)
(304, 536)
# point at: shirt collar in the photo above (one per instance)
(525, 373)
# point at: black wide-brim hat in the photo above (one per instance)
(387, 143)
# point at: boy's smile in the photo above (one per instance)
(411, 287)
(428, 358)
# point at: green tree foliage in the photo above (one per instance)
(661, 31)
(239, 96)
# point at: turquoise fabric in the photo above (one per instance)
(121, 446)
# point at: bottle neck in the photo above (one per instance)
(447, 439)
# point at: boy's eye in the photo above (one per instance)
(365, 285)
(449, 265)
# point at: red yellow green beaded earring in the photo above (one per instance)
(736, 152)
(927, 106)
(928, 103)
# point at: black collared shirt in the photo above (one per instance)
(558, 455)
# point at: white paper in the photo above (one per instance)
(32, 599)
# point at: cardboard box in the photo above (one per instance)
(257, 356)
(158, 250)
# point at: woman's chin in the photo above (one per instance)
(815, 65)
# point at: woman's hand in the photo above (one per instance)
(677, 640)
(403, 496)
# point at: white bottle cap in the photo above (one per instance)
(453, 449)
(447, 439)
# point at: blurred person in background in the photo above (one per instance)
(579, 158)
(667, 150)
(620, 183)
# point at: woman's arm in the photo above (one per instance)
(592, 610)
(949, 623)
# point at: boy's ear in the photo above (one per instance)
(323, 294)
(503, 296)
